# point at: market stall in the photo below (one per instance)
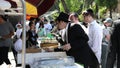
(46, 57)
(41, 56)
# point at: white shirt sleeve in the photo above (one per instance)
(97, 40)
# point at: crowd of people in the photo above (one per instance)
(89, 43)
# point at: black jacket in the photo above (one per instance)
(80, 49)
(114, 52)
(32, 37)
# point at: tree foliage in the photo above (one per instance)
(99, 6)
(100, 2)
(72, 5)
(88, 3)
(109, 4)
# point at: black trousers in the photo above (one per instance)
(14, 54)
(4, 55)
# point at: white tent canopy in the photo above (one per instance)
(4, 5)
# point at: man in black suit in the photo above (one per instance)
(114, 51)
(76, 42)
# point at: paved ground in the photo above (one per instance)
(11, 57)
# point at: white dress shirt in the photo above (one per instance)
(37, 26)
(48, 27)
(62, 33)
(95, 38)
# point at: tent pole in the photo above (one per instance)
(24, 33)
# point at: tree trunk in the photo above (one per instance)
(79, 11)
(110, 13)
(96, 11)
(65, 6)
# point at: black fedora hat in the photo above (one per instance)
(63, 17)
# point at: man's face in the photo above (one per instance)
(72, 18)
(42, 19)
(61, 25)
(32, 26)
(86, 18)
(107, 24)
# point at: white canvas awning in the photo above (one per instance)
(4, 5)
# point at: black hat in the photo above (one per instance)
(63, 17)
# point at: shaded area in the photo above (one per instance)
(42, 5)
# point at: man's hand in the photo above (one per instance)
(66, 47)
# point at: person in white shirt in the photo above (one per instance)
(19, 30)
(47, 26)
(37, 24)
(107, 31)
(17, 47)
(95, 33)
(18, 44)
